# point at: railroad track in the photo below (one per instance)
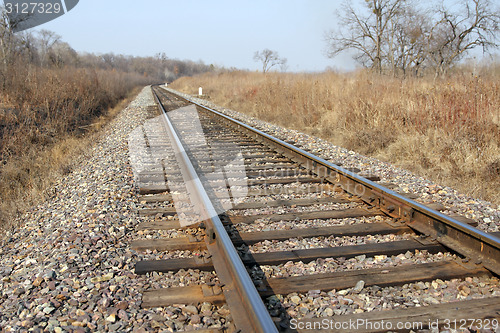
(225, 187)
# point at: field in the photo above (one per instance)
(48, 118)
(446, 129)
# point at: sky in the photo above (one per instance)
(221, 32)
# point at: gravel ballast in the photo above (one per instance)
(69, 267)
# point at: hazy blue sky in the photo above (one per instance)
(222, 32)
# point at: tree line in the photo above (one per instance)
(46, 49)
(410, 37)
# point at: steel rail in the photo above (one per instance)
(247, 308)
(481, 247)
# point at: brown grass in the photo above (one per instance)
(49, 117)
(445, 129)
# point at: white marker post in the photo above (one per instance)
(200, 91)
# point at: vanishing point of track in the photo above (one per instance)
(274, 168)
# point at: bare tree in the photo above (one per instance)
(476, 24)
(406, 47)
(62, 54)
(269, 59)
(365, 32)
(8, 41)
(46, 40)
(12, 45)
(397, 35)
(284, 65)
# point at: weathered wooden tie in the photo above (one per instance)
(281, 257)
(386, 276)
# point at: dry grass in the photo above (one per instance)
(445, 129)
(48, 118)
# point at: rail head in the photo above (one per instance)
(471, 242)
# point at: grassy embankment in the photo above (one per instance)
(48, 118)
(445, 129)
